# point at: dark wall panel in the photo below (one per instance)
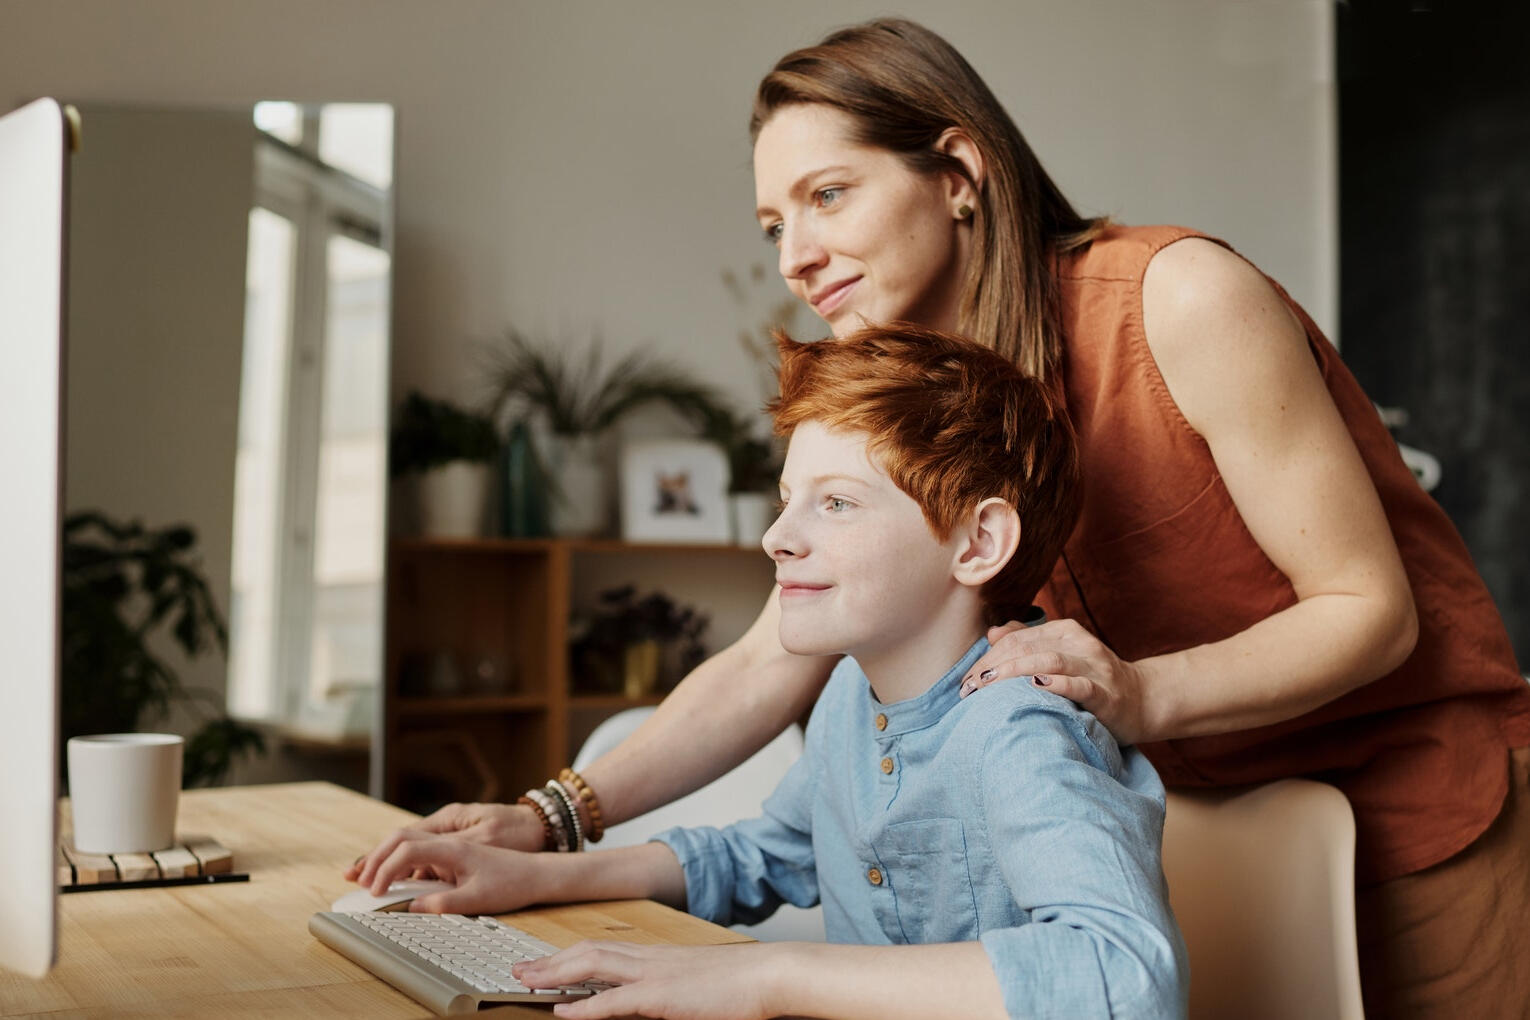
(1434, 151)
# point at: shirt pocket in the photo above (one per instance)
(926, 865)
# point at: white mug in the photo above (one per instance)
(123, 791)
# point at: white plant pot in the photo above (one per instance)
(579, 504)
(753, 514)
(453, 500)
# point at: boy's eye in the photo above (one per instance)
(837, 504)
(827, 196)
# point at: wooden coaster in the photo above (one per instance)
(194, 855)
(177, 862)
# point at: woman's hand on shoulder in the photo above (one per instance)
(1064, 658)
(510, 826)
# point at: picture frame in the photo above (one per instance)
(675, 490)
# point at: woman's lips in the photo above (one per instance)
(833, 297)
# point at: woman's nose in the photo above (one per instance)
(801, 253)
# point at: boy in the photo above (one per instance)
(988, 856)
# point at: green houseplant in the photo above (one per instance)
(448, 449)
(576, 398)
(428, 433)
(124, 586)
(625, 641)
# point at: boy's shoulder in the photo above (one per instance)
(1015, 713)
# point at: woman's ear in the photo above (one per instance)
(990, 537)
(956, 143)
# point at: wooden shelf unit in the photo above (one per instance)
(453, 604)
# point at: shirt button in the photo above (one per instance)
(881, 721)
(887, 766)
(874, 877)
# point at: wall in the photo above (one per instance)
(584, 167)
(1436, 306)
(159, 204)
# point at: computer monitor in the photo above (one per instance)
(34, 167)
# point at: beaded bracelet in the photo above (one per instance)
(553, 808)
(572, 817)
(547, 833)
(582, 790)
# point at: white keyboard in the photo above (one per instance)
(448, 962)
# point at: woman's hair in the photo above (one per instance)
(952, 424)
(903, 86)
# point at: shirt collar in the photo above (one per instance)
(927, 709)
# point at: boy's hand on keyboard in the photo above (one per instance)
(680, 982)
(512, 826)
(487, 880)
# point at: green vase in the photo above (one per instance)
(523, 492)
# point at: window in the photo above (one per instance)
(311, 475)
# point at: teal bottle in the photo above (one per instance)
(523, 492)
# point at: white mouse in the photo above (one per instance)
(397, 897)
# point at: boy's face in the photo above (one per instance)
(860, 571)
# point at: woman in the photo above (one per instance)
(1256, 588)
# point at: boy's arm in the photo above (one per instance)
(776, 979)
(1077, 827)
(740, 874)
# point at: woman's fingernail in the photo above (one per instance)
(1041, 681)
(986, 675)
(967, 687)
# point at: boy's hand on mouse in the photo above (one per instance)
(660, 981)
(512, 826)
(486, 879)
(1064, 658)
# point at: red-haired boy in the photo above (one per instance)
(988, 856)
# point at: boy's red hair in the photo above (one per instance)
(952, 424)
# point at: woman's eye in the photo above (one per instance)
(827, 196)
(773, 233)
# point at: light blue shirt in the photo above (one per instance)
(1010, 817)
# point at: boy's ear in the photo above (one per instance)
(990, 536)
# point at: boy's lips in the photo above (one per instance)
(797, 589)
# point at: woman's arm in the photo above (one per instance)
(728, 708)
(493, 880)
(1236, 362)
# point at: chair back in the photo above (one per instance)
(724, 801)
(1262, 882)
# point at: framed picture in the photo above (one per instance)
(674, 490)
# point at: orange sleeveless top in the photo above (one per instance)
(1162, 561)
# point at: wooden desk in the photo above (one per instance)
(243, 948)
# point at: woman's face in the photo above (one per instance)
(862, 237)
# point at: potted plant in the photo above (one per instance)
(754, 469)
(125, 587)
(625, 641)
(576, 399)
(449, 449)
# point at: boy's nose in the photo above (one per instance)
(777, 543)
